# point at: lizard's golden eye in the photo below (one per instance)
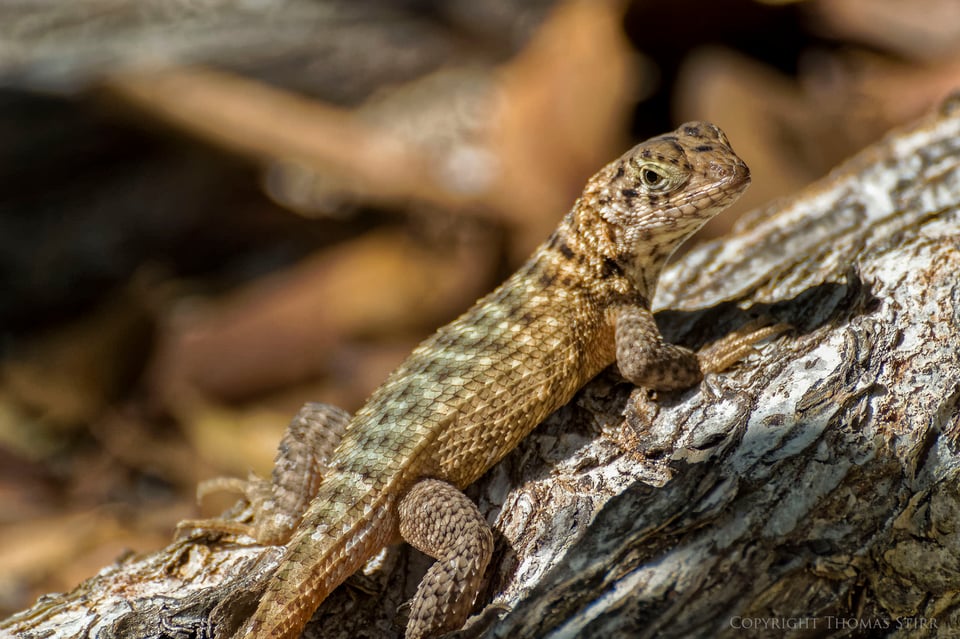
(654, 179)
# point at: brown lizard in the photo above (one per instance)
(344, 487)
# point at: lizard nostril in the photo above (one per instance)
(720, 170)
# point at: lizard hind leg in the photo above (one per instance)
(440, 521)
(277, 506)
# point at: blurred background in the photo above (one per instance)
(212, 211)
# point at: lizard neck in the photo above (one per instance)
(584, 251)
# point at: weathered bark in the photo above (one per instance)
(809, 491)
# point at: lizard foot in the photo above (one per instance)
(275, 507)
(253, 491)
(736, 345)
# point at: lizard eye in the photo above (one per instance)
(653, 178)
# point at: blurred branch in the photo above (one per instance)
(256, 120)
(544, 121)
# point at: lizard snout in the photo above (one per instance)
(733, 171)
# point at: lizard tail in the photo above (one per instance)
(342, 529)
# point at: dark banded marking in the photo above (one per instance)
(547, 279)
(610, 268)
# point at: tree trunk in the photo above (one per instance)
(809, 491)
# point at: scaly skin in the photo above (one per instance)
(468, 394)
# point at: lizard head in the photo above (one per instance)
(661, 191)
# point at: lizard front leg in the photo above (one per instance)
(278, 505)
(645, 359)
(442, 522)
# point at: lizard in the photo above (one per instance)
(344, 487)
